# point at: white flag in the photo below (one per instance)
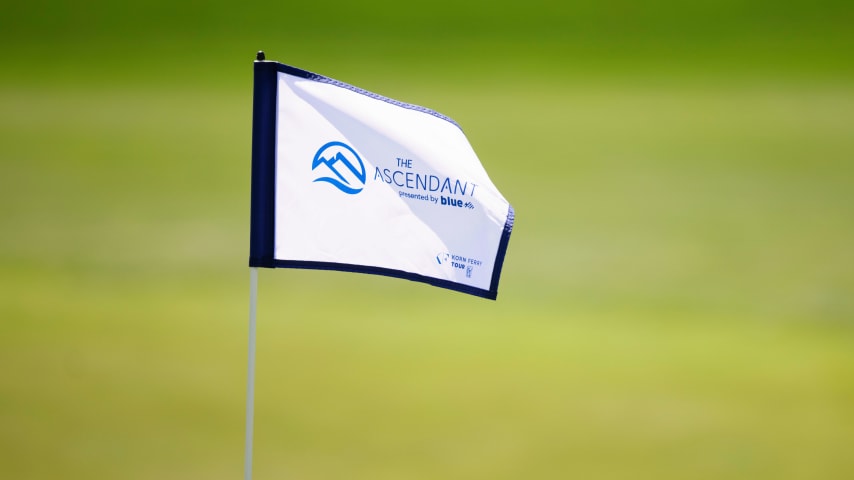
(345, 179)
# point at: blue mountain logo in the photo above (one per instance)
(338, 164)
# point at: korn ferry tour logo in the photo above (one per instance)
(338, 164)
(458, 263)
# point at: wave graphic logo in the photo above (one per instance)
(338, 164)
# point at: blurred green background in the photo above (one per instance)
(677, 300)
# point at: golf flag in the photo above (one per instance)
(345, 179)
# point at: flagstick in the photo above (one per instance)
(250, 377)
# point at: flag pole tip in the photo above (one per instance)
(260, 56)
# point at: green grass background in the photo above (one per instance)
(677, 300)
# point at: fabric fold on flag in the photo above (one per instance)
(346, 179)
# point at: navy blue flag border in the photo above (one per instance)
(263, 196)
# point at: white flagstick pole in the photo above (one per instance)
(250, 377)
